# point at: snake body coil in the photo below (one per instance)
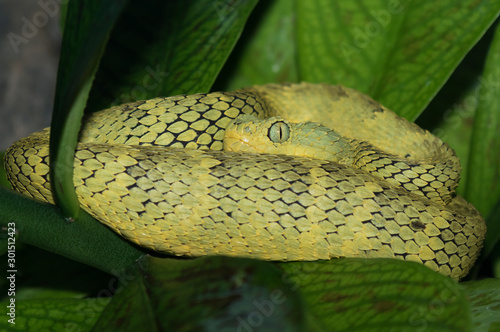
(155, 172)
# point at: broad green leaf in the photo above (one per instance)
(484, 296)
(204, 294)
(162, 48)
(86, 31)
(398, 52)
(377, 294)
(483, 181)
(54, 315)
(85, 240)
(266, 52)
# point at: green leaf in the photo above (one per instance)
(483, 180)
(398, 52)
(86, 240)
(54, 315)
(205, 294)
(484, 296)
(378, 294)
(167, 48)
(266, 52)
(85, 34)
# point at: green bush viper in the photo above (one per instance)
(365, 183)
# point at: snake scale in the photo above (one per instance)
(363, 183)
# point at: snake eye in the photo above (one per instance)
(279, 132)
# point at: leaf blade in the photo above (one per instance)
(59, 314)
(182, 52)
(374, 293)
(85, 34)
(483, 179)
(399, 55)
(485, 303)
(266, 52)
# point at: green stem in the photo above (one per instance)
(84, 240)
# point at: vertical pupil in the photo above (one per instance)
(279, 132)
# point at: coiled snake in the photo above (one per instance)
(370, 185)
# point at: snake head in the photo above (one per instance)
(248, 133)
(276, 135)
